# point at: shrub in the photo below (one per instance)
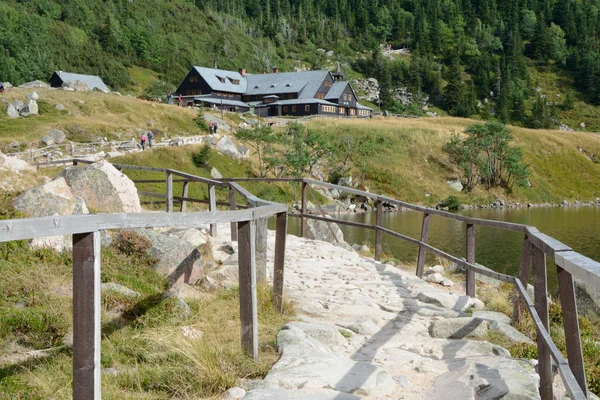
(201, 121)
(201, 158)
(453, 203)
(131, 243)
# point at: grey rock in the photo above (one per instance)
(54, 197)
(235, 393)
(344, 246)
(32, 96)
(12, 111)
(78, 86)
(57, 135)
(215, 174)
(444, 299)
(47, 140)
(362, 326)
(492, 316)
(588, 298)
(436, 269)
(294, 394)
(455, 185)
(325, 231)
(194, 237)
(103, 188)
(510, 332)
(459, 328)
(176, 259)
(14, 145)
(244, 151)
(30, 108)
(227, 147)
(447, 282)
(60, 107)
(34, 85)
(111, 287)
(7, 85)
(227, 273)
(434, 278)
(324, 333)
(180, 307)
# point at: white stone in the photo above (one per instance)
(325, 231)
(191, 332)
(434, 278)
(14, 164)
(32, 96)
(459, 328)
(30, 108)
(455, 185)
(235, 393)
(436, 269)
(215, 174)
(227, 147)
(194, 237)
(447, 282)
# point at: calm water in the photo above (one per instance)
(500, 250)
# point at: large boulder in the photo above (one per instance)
(32, 96)
(14, 164)
(57, 135)
(325, 231)
(54, 197)
(34, 85)
(30, 108)
(455, 185)
(103, 188)
(459, 328)
(76, 85)
(588, 299)
(14, 108)
(178, 260)
(227, 147)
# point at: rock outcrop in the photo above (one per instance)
(103, 188)
(78, 86)
(325, 231)
(227, 147)
(34, 85)
(14, 164)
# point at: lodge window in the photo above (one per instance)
(341, 110)
(351, 111)
(285, 108)
(320, 96)
(193, 79)
(328, 84)
(293, 108)
(307, 108)
(230, 94)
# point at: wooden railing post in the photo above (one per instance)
(568, 305)
(86, 316)
(184, 194)
(471, 260)
(169, 191)
(303, 205)
(541, 305)
(233, 207)
(524, 272)
(422, 250)
(378, 233)
(247, 282)
(278, 267)
(261, 250)
(212, 206)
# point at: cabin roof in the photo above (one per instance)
(306, 83)
(93, 81)
(222, 80)
(336, 90)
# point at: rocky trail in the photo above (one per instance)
(370, 330)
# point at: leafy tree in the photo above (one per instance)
(261, 139)
(304, 148)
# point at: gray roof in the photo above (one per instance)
(336, 90)
(92, 81)
(306, 83)
(361, 107)
(294, 102)
(212, 100)
(214, 77)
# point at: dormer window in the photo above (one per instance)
(288, 85)
(256, 87)
(273, 85)
(234, 81)
(222, 80)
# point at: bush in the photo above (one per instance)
(158, 90)
(453, 203)
(129, 242)
(201, 121)
(201, 158)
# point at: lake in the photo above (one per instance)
(500, 250)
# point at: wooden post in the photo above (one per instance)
(86, 316)
(422, 250)
(378, 233)
(470, 259)
(233, 207)
(303, 220)
(568, 304)
(184, 194)
(278, 268)
(212, 206)
(524, 271)
(261, 250)
(541, 305)
(169, 192)
(247, 282)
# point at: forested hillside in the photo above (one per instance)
(467, 56)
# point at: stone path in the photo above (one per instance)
(365, 333)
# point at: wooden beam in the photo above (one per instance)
(247, 282)
(422, 251)
(278, 267)
(86, 316)
(184, 194)
(233, 207)
(524, 272)
(303, 206)
(378, 233)
(169, 192)
(568, 305)
(541, 305)
(470, 288)
(261, 250)
(212, 206)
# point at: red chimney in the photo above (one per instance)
(275, 70)
(243, 71)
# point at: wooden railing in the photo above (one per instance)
(85, 230)
(536, 248)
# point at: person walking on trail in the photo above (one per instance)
(1, 87)
(150, 138)
(180, 100)
(215, 126)
(169, 98)
(211, 126)
(143, 141)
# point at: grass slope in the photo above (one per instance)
(410, 163)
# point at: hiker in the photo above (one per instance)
(1, 87)
(143, 141)
(180, 100)
(210, 127)
(215, 126)
(169, 98)
(150, 138)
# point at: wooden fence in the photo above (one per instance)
(85, 230)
